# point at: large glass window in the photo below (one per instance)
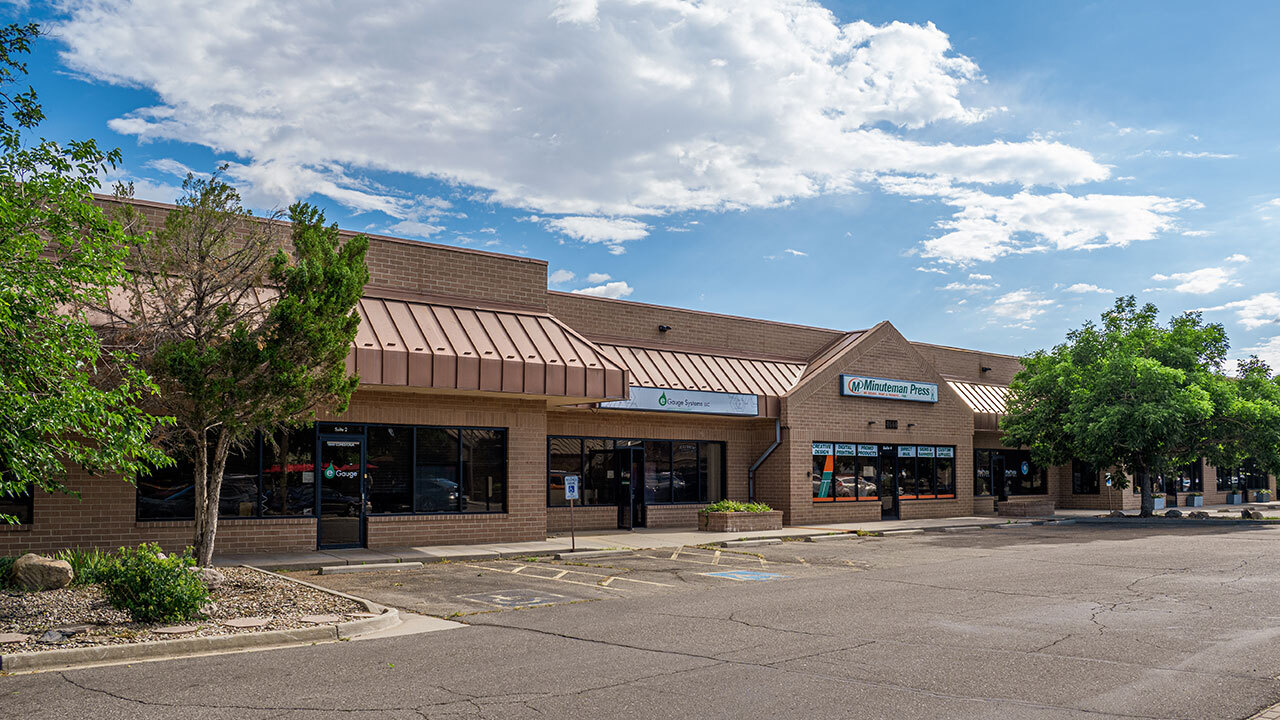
(167, 493)
(982, 484)
(289, 473)
(436, 486)
(1246, 477)
(1085, 479)
(1007, 472)
(849, 472)
(240, 491)
(675, 471)
(19, 506)
(484, 470)
(657, 471)
(388, 468)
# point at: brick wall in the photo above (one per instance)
(818, 412)
(623, 321)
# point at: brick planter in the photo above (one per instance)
(740, 521)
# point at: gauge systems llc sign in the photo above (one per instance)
(885, 389)
(687, 401)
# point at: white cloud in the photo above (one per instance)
(1084, 288)
(169, 166)
(580, 107)
(979, 276)
(1197, 233)
(610, 232)
(1268, 352)
(597, 278)
(934, 269)
(797, 253)
(1019, 307)
(990, 226)
(967, 287)
(617, 289)
(560, 277)
(1197, 282)
(414, 228)
(1254, 312)
(1237, 258)
(1189, 155)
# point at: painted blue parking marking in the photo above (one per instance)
(746, 575)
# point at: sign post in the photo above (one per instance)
(571, 494)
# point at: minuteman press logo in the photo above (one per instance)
(662, 399)
(855, 385)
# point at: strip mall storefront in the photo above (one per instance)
(482, 391)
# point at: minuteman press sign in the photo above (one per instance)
(873, 387)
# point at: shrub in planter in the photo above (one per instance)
(153, 587)
(735, 516)
(1159, 501)
(1262, 496)
(735, 506)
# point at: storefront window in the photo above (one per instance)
(388, 468)
(435, 473)
(240, 492)
(289, 473)
(484, 470)
(1085, 479)
(981, 472)
(850, 472)
(675, 471)
(1188, 479)
(17, 506)
(1246, 477)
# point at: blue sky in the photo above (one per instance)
(985, 175)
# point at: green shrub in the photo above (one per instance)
(152, 587)
(87, 565)
(6, 571)
(736, 506)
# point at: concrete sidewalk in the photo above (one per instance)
(638, 539)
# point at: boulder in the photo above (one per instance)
(36, 572)
(1116, 514)
(1255, 515)
(1173, 514)
(1245, 514)
(211, 578)
(1199, 515)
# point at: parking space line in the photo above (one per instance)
(560, 576)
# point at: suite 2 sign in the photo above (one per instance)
(873, 387)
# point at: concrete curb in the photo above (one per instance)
(833, 536)
(71, 658)
(754, 542)
(1160, 520)
(369, 567)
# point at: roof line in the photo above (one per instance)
(386, 293)
(968, 350)
(695, 312)
(695, 350)
(345, 233)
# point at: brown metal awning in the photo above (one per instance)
(448, 347)
(685, 370)
(986, 401)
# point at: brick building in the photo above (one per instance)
(481, 391)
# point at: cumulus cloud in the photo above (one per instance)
(169, 166)
(610, 232)
(1085, 288)
(797, 253)
(1196, 282)
(1237, 258)
(1019, 307)
(561, 276)
(1254, 312)
(1267, 351)
(616, 289)
(987, 226)
(597, 278)
(584, 108)
(979, 276)
(968, 287)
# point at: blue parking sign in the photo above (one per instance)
(570, 487)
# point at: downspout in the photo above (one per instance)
(751, 474)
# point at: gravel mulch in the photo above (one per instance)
(245, 594)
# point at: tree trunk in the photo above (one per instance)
(207, 523)
(1148, 500)
(200, 485)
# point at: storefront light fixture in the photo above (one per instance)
(663, 328)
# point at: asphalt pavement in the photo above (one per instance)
(1080, 621)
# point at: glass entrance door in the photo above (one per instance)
(630, 459)
(340, 495)
(888, 482)
(999, 479)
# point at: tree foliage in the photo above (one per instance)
(64, 398)
(242, 331)
(1143, 398)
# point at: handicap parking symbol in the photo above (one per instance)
(746, 575)
(515, 598)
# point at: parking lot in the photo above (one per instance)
(1163, 620)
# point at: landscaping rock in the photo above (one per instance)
(175, 629)
(1199, 515)
(70, 630)
(249, 622)
(211, 577)
(1116, 514)
(1173, 514)
(36, 572)
(1255, 515)
(51, 637)
(13, 638)
(1245, 514)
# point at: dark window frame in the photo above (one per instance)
(361, 430)
(10, 503)
(1016, 455)
(704, 483)
(1085, 479)
(915, 496)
